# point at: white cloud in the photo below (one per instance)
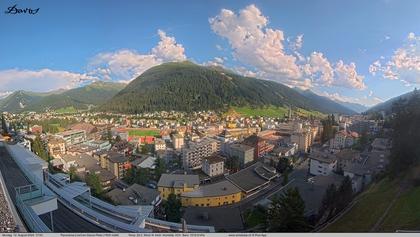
(254, 44)
(217, 61)
(126, 64)
(403, 65)
(321, 72)
(319, 68)
(262, 49)
(365, 100)
(41, 80)
(168, 49)
(297, 43)
(346, 76)
(337, 97)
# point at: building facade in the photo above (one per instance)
(213, 166)
(193, 154)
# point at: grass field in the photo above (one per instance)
(308, 113)
(405, 214)
(269, 111)
(370, 207)
(141, 133)
(272, 111)
(69, 109)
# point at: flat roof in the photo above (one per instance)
(143, 194)
(249, 178)
(178, 180)
(240, 146)
(222, 188)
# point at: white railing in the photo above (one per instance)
(32, 220)
(91, 215)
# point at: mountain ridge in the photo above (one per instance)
(189, 87)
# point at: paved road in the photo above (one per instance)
(64, 219)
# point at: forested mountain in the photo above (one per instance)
(20, 100)
(77, 98)
(189, 87)
(387, 105)
(325, 103)
(359, 108)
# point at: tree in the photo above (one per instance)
(93, 181)
(283, 165)
(286, 213)
(39, 149)
(4, 125)
(328, 203)
(172, 208)
(405, 151)
(160, 168)
(145, 149)
(72, 174)
(344, 193)
(328, 129)
(137, 175)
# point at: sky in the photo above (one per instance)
(356, 51)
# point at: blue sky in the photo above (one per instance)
(325, 46)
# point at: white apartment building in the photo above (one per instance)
(160, 144)
(193, 154)
(343, 139)
(322, 164)
(72, 137)
(213, 166)
(178, 141)
(302, 139)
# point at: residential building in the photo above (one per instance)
(87, 127)
(101, 145)
(244, 153)
(135, 195)
(177, 184)
(178, 141)
(213, 165)
(260, 145)
(72, 137)
(193, 154)
(56, 147)
(302, 139)
(115, 162)
(343, 139)
(285, 150)
(36, 129)
(85, 165)
(322, 163)
(160, 144)
(212, 195)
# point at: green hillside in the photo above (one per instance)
(189, 87)
(79, 98)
